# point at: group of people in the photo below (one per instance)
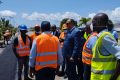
(88, 54)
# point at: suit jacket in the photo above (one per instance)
(73, 43)
(56, 33)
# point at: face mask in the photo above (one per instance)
(65, 31)
(37, 32)
(23, 32)
(91, 27)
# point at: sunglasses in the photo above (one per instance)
(67, 23)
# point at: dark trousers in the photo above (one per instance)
(71, 70)
(87, 72)
(23, 61)
(63, 65)
(80, 69)
(6, 39)
(45, 74)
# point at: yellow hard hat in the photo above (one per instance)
(64, 26)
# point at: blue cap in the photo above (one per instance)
(22, 27)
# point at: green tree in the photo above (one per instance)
(6, 25)
(83, 21)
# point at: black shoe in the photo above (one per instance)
(65, 76)
(27, 78)
(57, 72)
(61, 74)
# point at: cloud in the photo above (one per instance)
(114, 15)
(24, 15)
(51, 16)
(72, 15)
(91, 15)
(7, 13)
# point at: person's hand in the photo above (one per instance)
(79, 59)
(32, 72)
(61, 40)
(71, 59)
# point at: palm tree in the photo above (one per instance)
(83, 21)
(5, 25)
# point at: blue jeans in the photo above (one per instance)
(87, 72)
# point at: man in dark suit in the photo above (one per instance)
(54, 31)
(71, 49)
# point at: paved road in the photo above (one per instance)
(8, 70)
(7, 63)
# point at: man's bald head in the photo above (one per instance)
(100, 19)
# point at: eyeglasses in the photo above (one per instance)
(67, 23)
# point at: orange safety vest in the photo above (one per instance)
(23, 49)
(46, 49)
(33, 36)
(87, 53)
(62, 36)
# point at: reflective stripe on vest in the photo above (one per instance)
(104, 59)
(102, 71)
(46, 63)
(86, 58)
(23, 49)
(102, 67)
(87, 53)
(23, 52)
(47, 48)
(46, 53)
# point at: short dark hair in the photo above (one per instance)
(53, 26)
(100, 19)
(70, 21)
(45, 26)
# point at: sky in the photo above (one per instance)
(30, 12)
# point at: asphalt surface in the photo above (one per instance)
(7, 63)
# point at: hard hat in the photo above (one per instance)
(22, 27)
(64, 26)
(45, 26)
(37, 25)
